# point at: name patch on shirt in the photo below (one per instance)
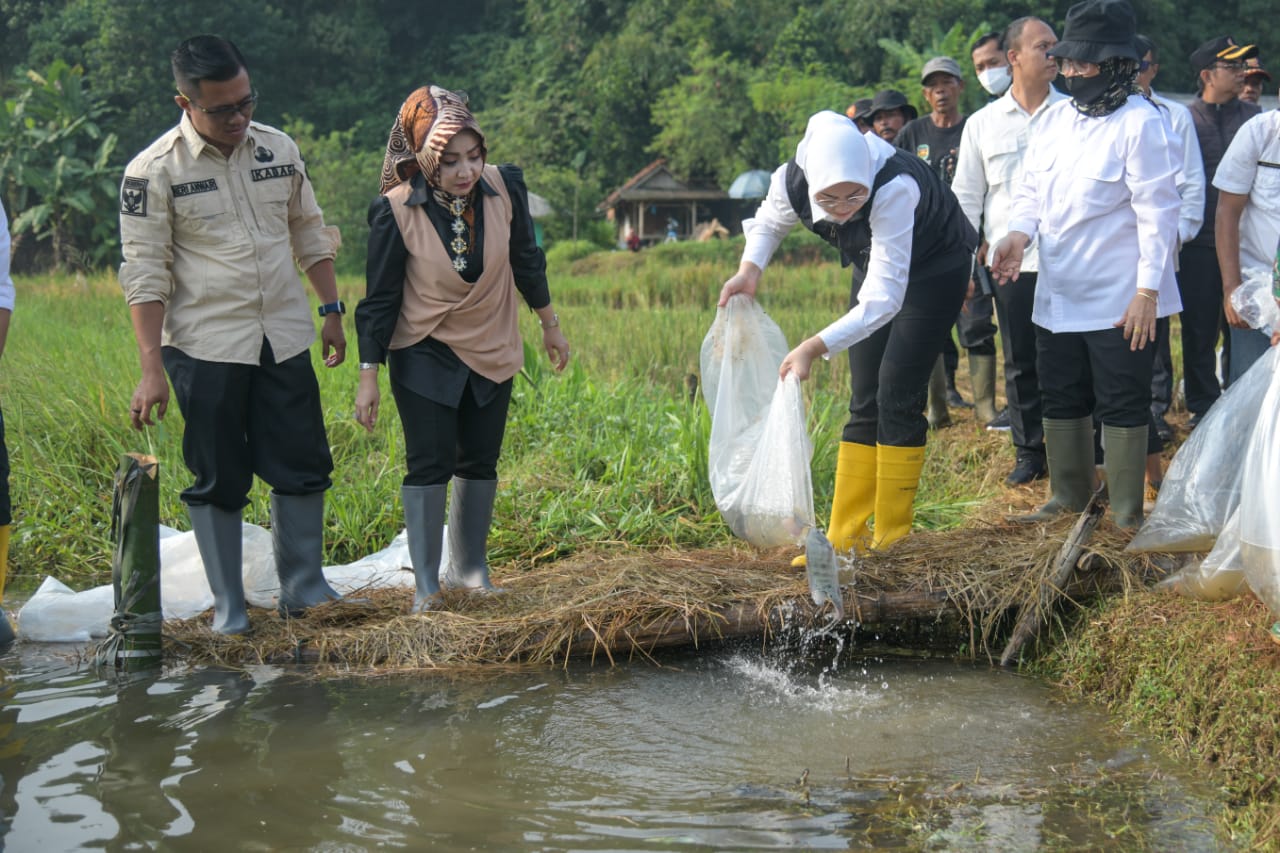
(922, 151)
(207, 186)
(133, 197)
(266, 174)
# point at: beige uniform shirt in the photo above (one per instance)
(215, 239)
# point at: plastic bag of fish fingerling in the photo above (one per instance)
(740, 358)
(1202, 486)
(775, 501)
(1219, 576)
(1260, 502)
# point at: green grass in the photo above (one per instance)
(613, 453)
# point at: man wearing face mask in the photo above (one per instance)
(1217, 114)
(991, 65)
(988, 172)
(1191, 183)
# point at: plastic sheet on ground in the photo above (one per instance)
(1260, 502)
(1202, 487)
(57, 613)
(759, 451)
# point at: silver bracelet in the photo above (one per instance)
(555, 321)
(368, 365)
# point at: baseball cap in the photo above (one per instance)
(945, 64)
(1223, 48)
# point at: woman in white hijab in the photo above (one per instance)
(911, 250)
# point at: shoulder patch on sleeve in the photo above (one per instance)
(133, 197)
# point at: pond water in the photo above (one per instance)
(733, 750)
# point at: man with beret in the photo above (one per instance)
(1217, 114)
(889, 112)
(935, 138)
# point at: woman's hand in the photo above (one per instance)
(745, 280)
(557, 347)
(1139, 321)
(367, 399)
(802, 357)
(1006, 258)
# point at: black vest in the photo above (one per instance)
(942, 236)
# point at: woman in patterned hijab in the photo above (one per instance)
(451, 254)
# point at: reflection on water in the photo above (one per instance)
(707, 752)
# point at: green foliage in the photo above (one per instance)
(55, 174)
(345, 176)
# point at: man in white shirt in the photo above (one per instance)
(1191, 182)
(1247, 227)
(987, 176)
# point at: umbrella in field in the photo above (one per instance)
(752, 184)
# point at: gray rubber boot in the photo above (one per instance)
(297, 537)
(1125, 458)
(937, 412)
(1068, 446)
(424, 523)
(219, 538)
(470, 514)
(982, 373)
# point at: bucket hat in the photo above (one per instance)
(1098, 30)
(891, 99)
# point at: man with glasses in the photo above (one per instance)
(213, 216)
(1217, 114)
(988, 172)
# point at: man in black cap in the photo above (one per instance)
(935, 138)
(1217, 114)
(889, 112)
(858, 112)
(1255, 79)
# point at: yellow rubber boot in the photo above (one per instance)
(853, 501)
(897, 478)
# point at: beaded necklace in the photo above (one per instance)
(460, 244)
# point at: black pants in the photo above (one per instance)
(889, 371)
(1162, 371)
(1095, 373)
(1200, 285)
(441, 441)
(244, 419)
(974, 326)
(1014, 302)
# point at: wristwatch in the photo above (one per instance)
(338, 307)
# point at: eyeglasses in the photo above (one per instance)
(1076, 66)
(1228, 66)
(244, 108)
(847, 201)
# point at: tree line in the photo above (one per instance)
(581, 93)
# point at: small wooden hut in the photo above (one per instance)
(653, 198)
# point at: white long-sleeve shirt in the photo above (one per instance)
(1191, 179)
(1251, 167)
(1101, 195)
(892, 223)
(989, 166)
(6, 282)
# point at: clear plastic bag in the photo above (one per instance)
(759, 453)
(1219, 576)
(1255, 301)
(1201, 489)
(1260, 501)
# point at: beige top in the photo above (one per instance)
(477, 321)
(215, 239)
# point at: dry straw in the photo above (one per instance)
(613, 608)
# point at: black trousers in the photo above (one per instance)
(1014, 302)
(244, 419)
(889, 371)
(1095, 373)
(974, 326)
(1200, 285)
(441, 441)
(1162, 371)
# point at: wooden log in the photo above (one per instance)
(1036, 611)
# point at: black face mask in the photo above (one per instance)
(1086, 90)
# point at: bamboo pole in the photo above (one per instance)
(134, 640)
